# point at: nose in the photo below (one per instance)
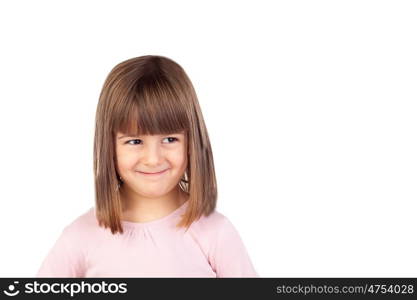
(152, 155)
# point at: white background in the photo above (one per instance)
(310, 106)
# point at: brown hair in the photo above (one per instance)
(151, 95)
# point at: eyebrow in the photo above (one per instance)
(130, 136)
(124, 136)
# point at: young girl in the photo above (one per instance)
(155, 186)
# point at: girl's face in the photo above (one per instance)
(151, 165)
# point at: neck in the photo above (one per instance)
(138, 208)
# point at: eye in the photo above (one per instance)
(173, 139)
(128, 142)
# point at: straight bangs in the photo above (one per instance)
(151, 107)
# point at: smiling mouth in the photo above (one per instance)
(156, 173)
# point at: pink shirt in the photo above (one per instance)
(211, 247)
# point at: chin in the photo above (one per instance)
(153, 194)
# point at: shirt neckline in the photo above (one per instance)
(157, 222)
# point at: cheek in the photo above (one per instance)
(125, 159)
(178, 160)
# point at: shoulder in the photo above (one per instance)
(67, 257)
(82, 227)
(211, 223)
(209, 229)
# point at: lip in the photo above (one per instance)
(152, 174)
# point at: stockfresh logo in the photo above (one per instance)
(11, 289)
(73, 288)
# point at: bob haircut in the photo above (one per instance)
(151, 95)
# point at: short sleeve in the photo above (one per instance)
(65, 259)
(229, 257)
